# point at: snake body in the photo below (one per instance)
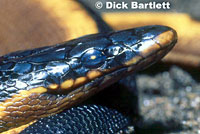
(87, 119)
(43, 81)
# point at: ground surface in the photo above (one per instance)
(169, 101)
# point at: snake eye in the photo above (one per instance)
(93, 58)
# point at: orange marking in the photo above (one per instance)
(38, 110)
(54, 86)
(79, 81)
(25, 93)
(93, 74)
(165, 38)
(11, 108)
(18, 129)
(17, 99)
(44, 103)
(149, 50)
(8, 100)
(133, 61)
(2, 114)
(7, 104)
(67, 84)
(2, 108)
(17, 105)
(25, 108)
(37, 90)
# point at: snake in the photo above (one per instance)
(44, 81)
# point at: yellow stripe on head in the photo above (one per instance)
(165, 38)
(67, 84)
(94, 74)
(53, 86)
(134, 60)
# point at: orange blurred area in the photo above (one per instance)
(34, 23)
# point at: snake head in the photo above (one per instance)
(139, 46)
(133, 48)
(36, 83)
(108, 57)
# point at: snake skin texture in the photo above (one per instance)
(88, 119)
(43, 66)
(44, 81)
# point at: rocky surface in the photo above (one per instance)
(169, 101)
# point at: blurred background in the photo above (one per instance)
(191, 7)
